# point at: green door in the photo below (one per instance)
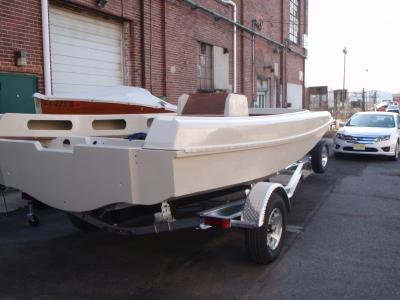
(16, 92)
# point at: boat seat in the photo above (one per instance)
(213, 104)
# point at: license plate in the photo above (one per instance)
(359, 147)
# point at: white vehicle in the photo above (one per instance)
(393, 108)
(373, 133)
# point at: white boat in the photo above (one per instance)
(82, 163)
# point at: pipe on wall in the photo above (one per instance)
(282, 86)
(46, 47)
(143, 46)
(253, 62)
(217, 16)
(234, 43)
(282, 45)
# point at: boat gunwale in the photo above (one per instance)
(194, 151)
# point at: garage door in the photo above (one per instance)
(85, 51)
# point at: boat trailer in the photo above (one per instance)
(259, 208)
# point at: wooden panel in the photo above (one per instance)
(94, 108)
(205, 104)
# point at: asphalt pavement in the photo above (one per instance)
(344, 243)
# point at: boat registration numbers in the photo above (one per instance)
(359, 147)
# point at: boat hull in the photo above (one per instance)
(180, 157)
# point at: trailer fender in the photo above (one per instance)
(257, 201)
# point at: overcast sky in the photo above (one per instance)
(371, 32)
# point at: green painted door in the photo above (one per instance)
(16, 92)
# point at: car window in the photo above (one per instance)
(382, 121)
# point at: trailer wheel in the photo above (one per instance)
(319, 157)
(264, 244)
(81, 224)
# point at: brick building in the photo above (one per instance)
(167, 46)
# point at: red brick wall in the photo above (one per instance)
(20, 29)
(184, 28)
(171, 32)
(155, 47)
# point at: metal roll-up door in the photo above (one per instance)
(86, 51)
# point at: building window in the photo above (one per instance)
(263, 93)
(294, 21)
(205, 68)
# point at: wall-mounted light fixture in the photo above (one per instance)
(269, 67)
(257, 24)
(101, 3)
(20, 58)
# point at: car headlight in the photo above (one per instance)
(340, 136)
(344, 137)
(382, 138)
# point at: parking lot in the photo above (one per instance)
(343, 243)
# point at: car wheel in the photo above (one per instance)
(396, 153)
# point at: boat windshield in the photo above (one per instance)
(382, 121)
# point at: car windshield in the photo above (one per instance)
(382, 121)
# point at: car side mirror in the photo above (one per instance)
(341, 124)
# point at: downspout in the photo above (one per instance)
(143, 46)
(283, 87)
(151, 46)
(46, 47)
(305, 15)
(234, 46)
(253, 62)
(285, 99)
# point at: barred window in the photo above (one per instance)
(205, 67)
(294, 21)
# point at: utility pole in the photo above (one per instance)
(344, 74)
(363, 100)
(367, 92)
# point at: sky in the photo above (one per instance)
(370, 30)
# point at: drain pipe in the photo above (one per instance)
(234, 45)
(46, 47)
(253, 61)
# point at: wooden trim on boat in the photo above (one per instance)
(79, 107)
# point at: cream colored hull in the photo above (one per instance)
(180, 156)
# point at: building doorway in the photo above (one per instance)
(86, 51)
(16, 93)
(263, 93)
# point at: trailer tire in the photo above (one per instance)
(262, 247)
(319, 157)
(81, 224)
